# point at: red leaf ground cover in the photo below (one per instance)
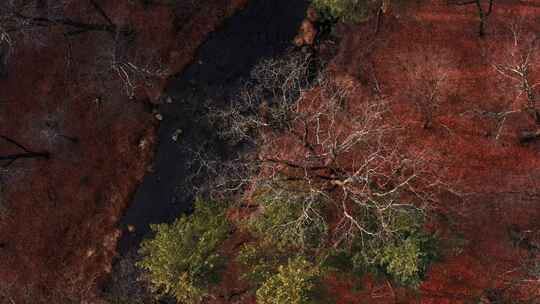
(58, 225)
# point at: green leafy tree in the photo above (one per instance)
(285, 228)
(406, 260)
(405, 256)
(181, 259)
(289, 225)
(261, 260)
(290, 216)
(294, 283)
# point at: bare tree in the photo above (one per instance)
(519, 62)
(134, 73)
(525, 277)
(426, 73)
(338, 148)
(334, 146)
(483, 16)
(127, 281)
(345, 153)
(5, 52)
(515, 61)
(266, 101)
(513, 57)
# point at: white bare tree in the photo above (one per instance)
(345, 153)
(517, 64)
(266, 101)
(330, 145)
(134, 68)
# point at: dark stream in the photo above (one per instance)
(264, 29)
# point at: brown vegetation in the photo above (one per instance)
(494, 172)
(467, 104)
(67, 97)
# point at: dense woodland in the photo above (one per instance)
(391, 154)
(329, 188)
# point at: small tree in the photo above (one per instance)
(294, 283)
(345, 10)
(426, 71)
(405, 256)
(182, 259)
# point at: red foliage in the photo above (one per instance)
(496, 176)
(59, 234)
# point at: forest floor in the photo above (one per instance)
(488, 226)
(59, 216)
(491, 229)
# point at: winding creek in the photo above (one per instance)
(265, 28)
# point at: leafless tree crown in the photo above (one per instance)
(336, 147)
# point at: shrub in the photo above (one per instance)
(345, 10)
(181, 260)
(295, 283)
(406, 260)
(360, 10)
